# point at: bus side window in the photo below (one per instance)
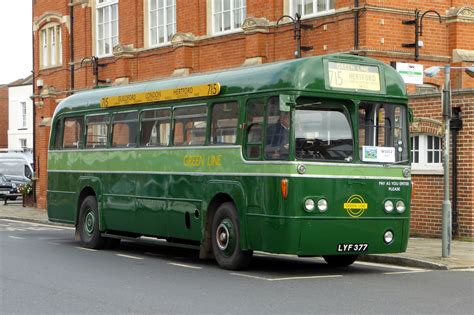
(190, 125)
(124, 129)
(97, 130)
(254, 131)
(72, 132)
(57, 134)
(224, 123)
(155, 128)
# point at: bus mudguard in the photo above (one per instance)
(87, 185)
(235, 191)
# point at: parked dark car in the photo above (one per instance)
(7, 188)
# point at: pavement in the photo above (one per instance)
(422, 253)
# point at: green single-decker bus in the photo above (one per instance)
(308, 157)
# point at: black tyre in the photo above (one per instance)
(89, 224)
(340, 260)
(226, 239)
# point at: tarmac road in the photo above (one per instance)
(44, 270)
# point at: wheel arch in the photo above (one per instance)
(89, 186)
(217, 193)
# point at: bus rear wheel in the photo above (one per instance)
(340, 260)
(226, 239)
(89, 224)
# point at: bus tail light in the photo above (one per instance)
(284, 187)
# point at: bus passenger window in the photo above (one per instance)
(124, 130)
(224, 123)
(190, 125)
(155, 128)
(97, 130)
(253, 122)
(72, 133)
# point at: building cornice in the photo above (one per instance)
(459, 92)
(463, 14)
(398, 54)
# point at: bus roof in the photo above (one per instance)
(298, 74)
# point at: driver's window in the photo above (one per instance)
(254, 131)
(277, 134)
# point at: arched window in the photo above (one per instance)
(51, 52)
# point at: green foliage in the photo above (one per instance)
(25, 189)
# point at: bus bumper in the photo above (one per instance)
(314, 237)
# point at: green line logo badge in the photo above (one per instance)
(355, 206)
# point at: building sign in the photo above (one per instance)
(378, 154)
(411, 73)
(353, 77)
(186, 92)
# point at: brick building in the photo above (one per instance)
(4, 117)
(140, 40)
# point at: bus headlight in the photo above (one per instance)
(309, 205)
(322, 205)
(388, 237)
(388, 206)
(400, 206)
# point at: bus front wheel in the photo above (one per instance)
(226, 239)
(89, 224)
(340, 260)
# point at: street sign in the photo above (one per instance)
(411, 73)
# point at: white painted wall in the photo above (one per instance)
(16, 130)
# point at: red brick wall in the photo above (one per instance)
(379, 19)
(4, 117)
(429, 189)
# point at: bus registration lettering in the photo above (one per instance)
(352, 247)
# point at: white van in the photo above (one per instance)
(17, 166)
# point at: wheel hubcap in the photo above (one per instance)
(222, 236)
(225, 237)
(89, 223)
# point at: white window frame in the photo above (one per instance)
(315, 8)
(60, 45)
(44, 48)
(53, 51)
(23, 143)
(23, 115)
(232, 11)
(51, 46)
(168, 23)
(423, 167)
(106, 8)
